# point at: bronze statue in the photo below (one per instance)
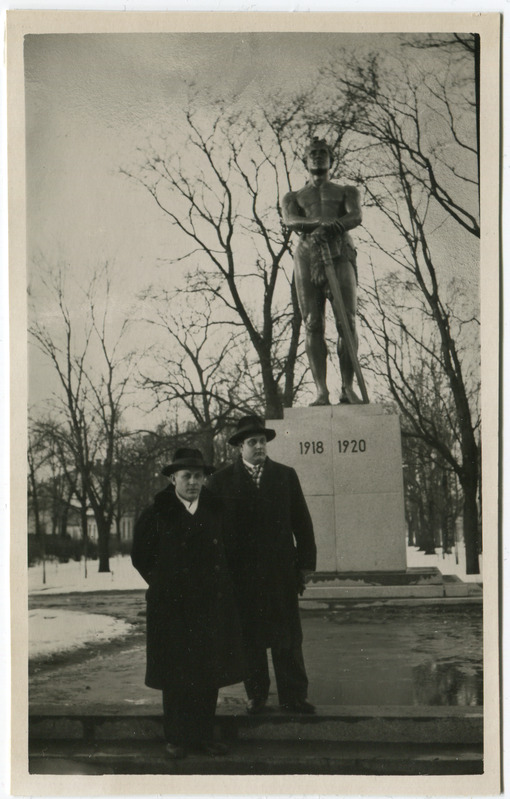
(323, 212)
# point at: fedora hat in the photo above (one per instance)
(250, 426)
(185, 458)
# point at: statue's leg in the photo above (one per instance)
(348, 285)
(312, 305)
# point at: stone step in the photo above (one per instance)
(420, 584)
(256, 758)
(392, 724)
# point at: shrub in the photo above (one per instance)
(61, 548)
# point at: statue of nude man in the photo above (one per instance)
(320, 211)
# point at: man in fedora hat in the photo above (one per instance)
(193, 632)
(324, 211)
(271, 549)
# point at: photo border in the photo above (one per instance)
(20, 23)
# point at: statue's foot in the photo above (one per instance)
(322, 399)
(349, 397)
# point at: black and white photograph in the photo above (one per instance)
(257, 516)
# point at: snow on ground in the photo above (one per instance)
(53, 631)
(447, 564)
(63, 578)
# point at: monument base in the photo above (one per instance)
(418, 583)
(349, 462)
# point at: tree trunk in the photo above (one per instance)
(84, 522)
(117, 528)
(470, 526)
(469, 481)
(63, 520)
(207, 441)
(273, 401)
(411, 525)
(447, 516)
(43, 552)
(35, 503)
(290, 365)
(37, 518)
(422, 526)
(85, 546)
(429, 533)
(103, 544)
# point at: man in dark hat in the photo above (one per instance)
(323, 211)
(194, 641)
(271, 549)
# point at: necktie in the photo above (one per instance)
(256, 473)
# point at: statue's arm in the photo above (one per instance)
(349, 220)
(293, 216)
(352, 201)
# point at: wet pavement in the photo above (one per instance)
(405, 656)
(373, 655)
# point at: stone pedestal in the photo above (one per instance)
(349, 462)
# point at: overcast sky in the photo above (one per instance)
(92, 99)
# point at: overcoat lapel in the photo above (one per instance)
(194, 523)
(243, 481)
(267, 480)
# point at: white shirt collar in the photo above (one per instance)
(191, 507)
(252, 466)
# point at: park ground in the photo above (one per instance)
(93, 627)
(364, 659)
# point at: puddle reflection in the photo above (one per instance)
(447, 684)
(430, 656)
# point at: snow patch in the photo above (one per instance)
(454, 563)
(64, 578)
(51, 631)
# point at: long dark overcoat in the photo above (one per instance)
(193, 628)
(269, 538)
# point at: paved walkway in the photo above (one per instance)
(399, 690)
(259, 757)
(428, 655)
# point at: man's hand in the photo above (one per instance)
(302, 575)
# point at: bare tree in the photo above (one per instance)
(93, 376)
(139, 457)
(432, 497)
(419, 135)
(411, 143)
(417, 160)
(37, 456)
(200, 364)
(408, 353)
(222, 192)
(64, 448)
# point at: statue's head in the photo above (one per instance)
(318, 156)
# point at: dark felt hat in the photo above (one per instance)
(251, 426)
(185, 458)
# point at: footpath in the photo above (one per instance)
(397, 685)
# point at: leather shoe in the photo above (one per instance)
(213, 748)
(175, 751)
(299, 706)
(254, 706)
